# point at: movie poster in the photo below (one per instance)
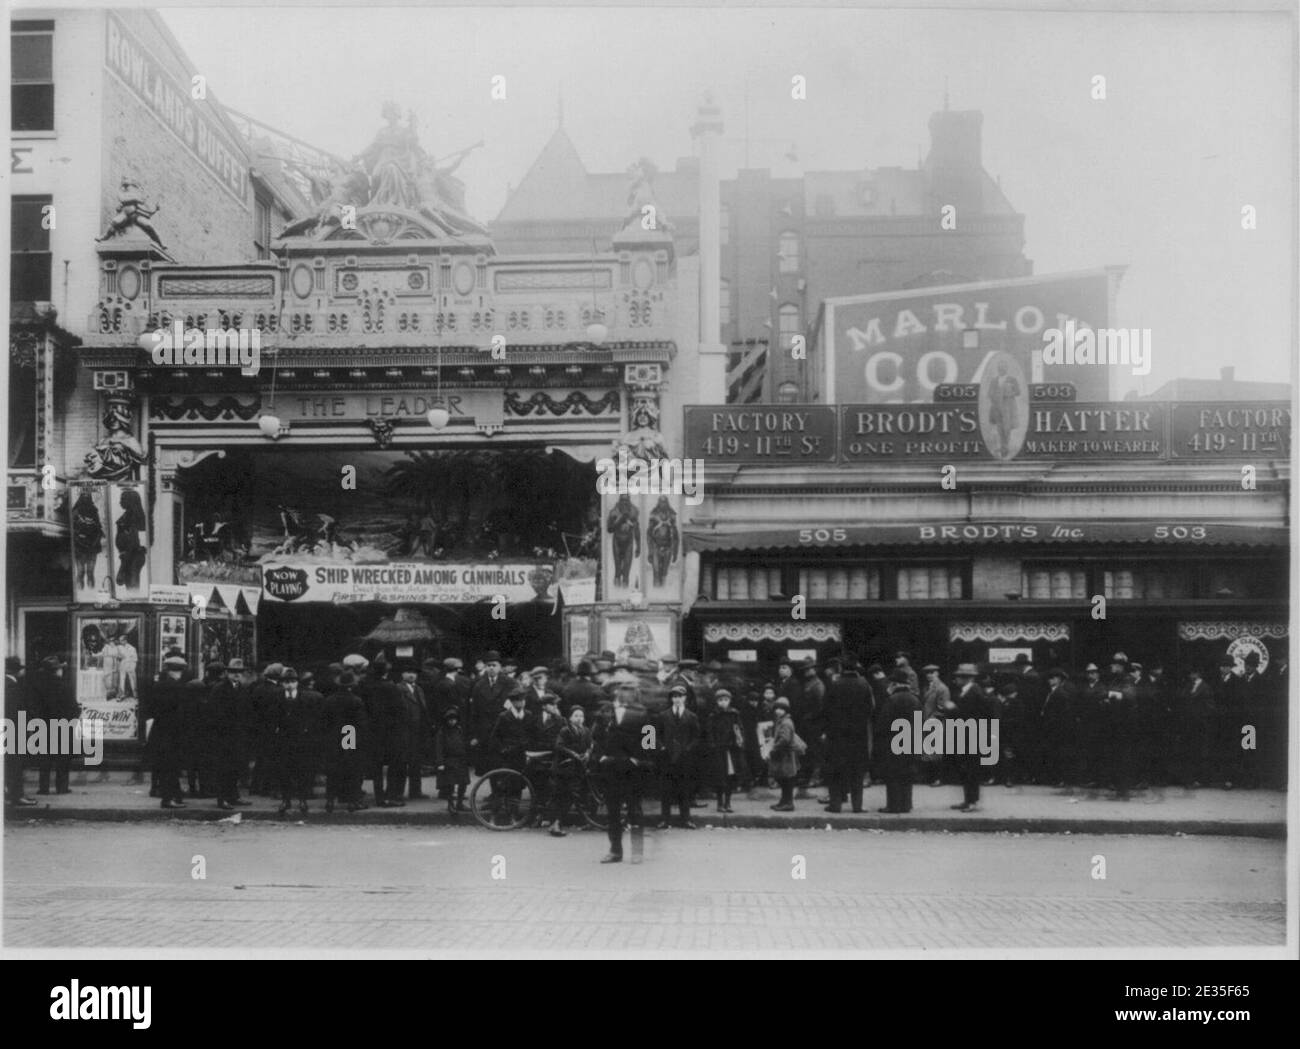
(108, 672)
(88, 523)
(129, 535)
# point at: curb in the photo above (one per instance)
(936, 825)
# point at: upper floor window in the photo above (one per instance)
(29, 250)
(262, 226)
(31, 88)
(789, 325)
(724, 301)
(788, 252)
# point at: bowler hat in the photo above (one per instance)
(289, 674)
(965, 670)
(347, 679)
(492, 656)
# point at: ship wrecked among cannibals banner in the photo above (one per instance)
(400, 583)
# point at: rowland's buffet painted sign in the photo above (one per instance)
(896, 347)
(397, 582)
(172, 104)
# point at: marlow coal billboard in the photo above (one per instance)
(896, 347)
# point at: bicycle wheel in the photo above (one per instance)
(592, 806)
(504, 799)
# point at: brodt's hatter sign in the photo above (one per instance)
(896, 347)
(397, 582)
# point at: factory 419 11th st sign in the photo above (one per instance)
(1025, 427)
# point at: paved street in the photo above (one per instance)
(86, 885)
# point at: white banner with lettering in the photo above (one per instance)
(399, 582)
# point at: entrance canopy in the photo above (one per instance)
(729, 537)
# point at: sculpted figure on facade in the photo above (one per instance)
(640, 196)
(132, 210)
(119, 455)
(393, 161)
(643, 439)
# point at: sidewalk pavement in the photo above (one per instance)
(1252, 813)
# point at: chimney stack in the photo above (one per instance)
(707, 130)
(955, 164)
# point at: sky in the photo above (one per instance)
(1198, 121)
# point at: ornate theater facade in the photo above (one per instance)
(410, 463)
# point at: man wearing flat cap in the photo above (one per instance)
(1092, 726)
(264, 705)
(538, 691)
(450, 690)
(622, 748)
(969, 703)
(343, 742)
(166, 735)
(897, 770)
(680, 736)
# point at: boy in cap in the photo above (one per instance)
(783, 759)
(451, 760)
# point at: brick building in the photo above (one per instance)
(119, 158)
(787, 244)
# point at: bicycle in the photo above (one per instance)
(508, 799)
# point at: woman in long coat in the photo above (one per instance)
(725, 740)
(783, 761)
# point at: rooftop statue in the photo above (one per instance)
(393, 172)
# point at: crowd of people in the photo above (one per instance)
(271, 730)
